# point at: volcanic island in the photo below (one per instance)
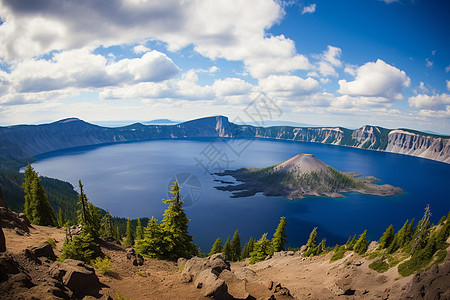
(300, 176)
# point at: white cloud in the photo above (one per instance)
(389, 1)
(351, 69)
(70, 72)
(448, 85)
(326, 69)
(447, 69)
(434, 102)
(309, 9)
(139, 49)
(376, 79)
(328, 60)
(213, 69)
(288, 86)
(325, 80)
(428, 63)
(229, 29)
(231, 87)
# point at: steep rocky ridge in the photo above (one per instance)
(22, 142)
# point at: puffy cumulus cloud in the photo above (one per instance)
(186, 88)
(349, 102)
(233, 30)
(82, 69)
(232, 87)
(448, 85)
(433, 102)
(351, 69)
(376, 79)
(328, 60)
(288, 86)
(309, 9)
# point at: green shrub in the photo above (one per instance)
(82, 247)
(122, 297)
(440, 257)
(380, 265)
(103, 265)
(373, 255)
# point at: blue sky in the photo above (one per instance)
(335, 63)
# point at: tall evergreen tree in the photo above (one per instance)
(129, 236)
(387, 237)
(118, 235)
(139, 230)
(216, 247)
(351, 243)
(107, 228)
(83, 217)
(248, 248)
(261, 249)
(311, 245)
(175, 227)
(29, 177)
(361, 244)
(400, 238)
(279, 237)
(227, 249)
(420, 238)
(42, 212)
(236, 247)
(61, 218)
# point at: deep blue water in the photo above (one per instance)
(130, 179)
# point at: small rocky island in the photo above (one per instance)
(300, 176)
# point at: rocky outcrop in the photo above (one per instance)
(136, 259)
(431, 284)
(11, 219)
(2, 199)
(25, 141)
(2, 241)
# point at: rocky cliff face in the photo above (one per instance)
(25, 141)
(404, 142)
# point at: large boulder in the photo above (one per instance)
(216, 263)
(78, 277)
(42, 250)
(211, 285)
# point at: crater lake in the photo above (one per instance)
(130, 179)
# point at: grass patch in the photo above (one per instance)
(338, 254)
(121, 297)
(380, 265)
(440, 256)
(141, 274)
(372, 255)
(348, 262)
(52, 242)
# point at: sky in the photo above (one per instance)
(329, 63)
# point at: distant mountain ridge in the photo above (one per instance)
(26, 141)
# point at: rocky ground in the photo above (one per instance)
(28, 271)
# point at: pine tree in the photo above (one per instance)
(129, 236)
(118, 235)
(82, 247)
(420, 239)
(311, 245)
(279, 237)
(216, 247)
(153, 244)
(361, 244)
(387, 237)
(42, 212)
(321, 247)
(248, 248)
(261, 249)
(61, 218)
(227, 249)
(139, 230)
(350, 243)
(29, 177)
(175, 227)
(107, 227)
(236, 247)
(83, 217)
(400, 238)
